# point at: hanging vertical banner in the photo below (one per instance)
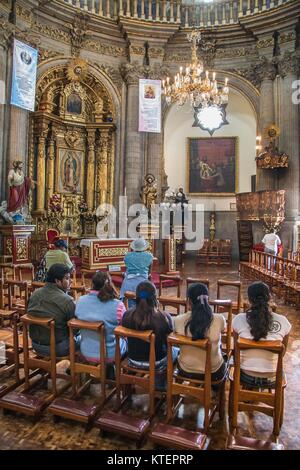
(149, 105)
(24, 76)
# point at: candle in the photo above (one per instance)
(214, 76)
(125, 192)
(226, 81)
(206, 73)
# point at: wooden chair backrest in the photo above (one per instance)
(77, 291)
(224, 305)
(20, 268)
(255, 396)
(129, 375)
(176, 279)
(36, 285)
(34, 361)
(172, 302)
(22, 288)
(4, 271)
(222, 284)
(197, 280)
(201, 390)
(13, 360)
(98, 369)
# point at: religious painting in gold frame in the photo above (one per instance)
(212, 166)
(70, 171)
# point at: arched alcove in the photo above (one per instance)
(178, 128)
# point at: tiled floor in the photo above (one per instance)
(19, 432)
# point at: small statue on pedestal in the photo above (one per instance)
(148, 192)
(180, 197)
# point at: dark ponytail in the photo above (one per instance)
(259, 315)
(146, 306)
(202, 315)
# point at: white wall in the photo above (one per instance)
(178, 127)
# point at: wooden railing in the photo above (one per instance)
(177, 11)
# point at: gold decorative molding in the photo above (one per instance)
(54, 33)
(77, 70)
(236, 52)
(46, 54)
(104, 49)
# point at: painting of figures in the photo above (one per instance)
(70, 174)
(212, 166)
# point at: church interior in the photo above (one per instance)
(164, 130)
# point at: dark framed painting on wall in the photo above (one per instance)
(212, 166)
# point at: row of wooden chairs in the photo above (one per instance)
(281, 274)
(269, 402)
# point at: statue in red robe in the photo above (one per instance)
(19, 187)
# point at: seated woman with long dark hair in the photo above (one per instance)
(101, 304)
(147, 316)
(200, 323)
(258, 368)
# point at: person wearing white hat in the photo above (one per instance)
(138, 264)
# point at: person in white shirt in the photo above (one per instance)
(258, 368)
(271, 242)
(200, 323)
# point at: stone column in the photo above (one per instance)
(90, 180)
(265, 179)
(133, 143)
(41, 169)
(289, 142)
(155, 158)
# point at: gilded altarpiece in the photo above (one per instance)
(71, 153)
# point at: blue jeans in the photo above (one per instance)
(61, 349)
(257, 382)
(160, 367)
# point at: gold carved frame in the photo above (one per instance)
(188, 154)
(59, 173)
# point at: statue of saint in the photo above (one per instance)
(19, 187)
(149, 191)
(70, 181)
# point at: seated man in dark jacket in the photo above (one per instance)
(52, 301)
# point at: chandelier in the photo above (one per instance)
(194, 86)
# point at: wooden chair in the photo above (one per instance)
(24, 400)
(77, 291)
(202, 256)
(179, 385)
(18, 295)
(269, 400)
(197, 280)
(173, 302)
(221, 307)
(127, 377)
(36, 285)
(225, 249)
(10, 339)
(236, 285)
(21, 269)
(74, 408)
(7, 271)
(177, 280)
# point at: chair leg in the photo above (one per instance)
(281, 410)
(222, 400)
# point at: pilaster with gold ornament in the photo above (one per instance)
(41, 168)
(103, 170)
(90, 168)
(50, 165)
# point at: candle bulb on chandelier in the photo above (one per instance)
(226, 81)
(206, 73)
(214, 76)
(180, 70)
